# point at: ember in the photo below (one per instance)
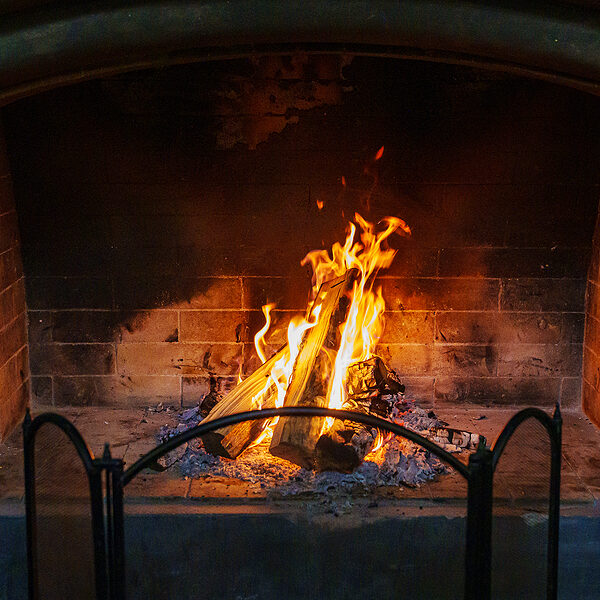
(397, 462)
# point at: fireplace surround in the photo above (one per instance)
(158, 157)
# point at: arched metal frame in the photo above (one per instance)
(94, 470)
(553, 426)
(44, 44)
(107, 501)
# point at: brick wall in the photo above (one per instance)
(151, 238)
(591, 363)
(14, 368)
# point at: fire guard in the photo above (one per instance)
(100, 570)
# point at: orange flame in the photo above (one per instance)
(259, 338)
(379, 153)
(364, 323)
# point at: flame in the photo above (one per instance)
(364, 250)
(259, 338)
(320, 204)
(379, 153)
(364, 323)
(281, 372)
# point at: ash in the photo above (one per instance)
(398, 462)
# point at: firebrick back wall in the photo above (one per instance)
(160, 210)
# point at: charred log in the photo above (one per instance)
(371, 388)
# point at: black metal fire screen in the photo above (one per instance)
(76, 501)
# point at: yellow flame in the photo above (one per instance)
(364, 323)
(259, 338)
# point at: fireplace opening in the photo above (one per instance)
(165, 213)
(160, 210)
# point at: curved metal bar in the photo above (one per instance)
(49, 82)
(68, 38)
(528, 413)
(71, 432)
(94, 477)
(307, 411)
(553, 427)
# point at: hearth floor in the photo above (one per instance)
(131, 433)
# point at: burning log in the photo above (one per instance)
(344, 446)
(295, 439)
(232, 441)
(371, 389)
(315, 377)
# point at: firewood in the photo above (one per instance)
(371, 388)
(344, 446)
(295, 439)
(238, 437)
(371, 376)
(231, 441)
(455, 437)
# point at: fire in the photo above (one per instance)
(259, 338)
(364, 250)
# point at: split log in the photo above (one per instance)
(372, 387)
(295, 439)
(231, 441)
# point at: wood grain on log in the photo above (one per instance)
(231, 441)
(295, 439)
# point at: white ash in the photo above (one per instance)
(398, 462)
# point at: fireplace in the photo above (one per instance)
(162, 183)
(160, 207)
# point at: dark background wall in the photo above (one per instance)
(159, 210)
